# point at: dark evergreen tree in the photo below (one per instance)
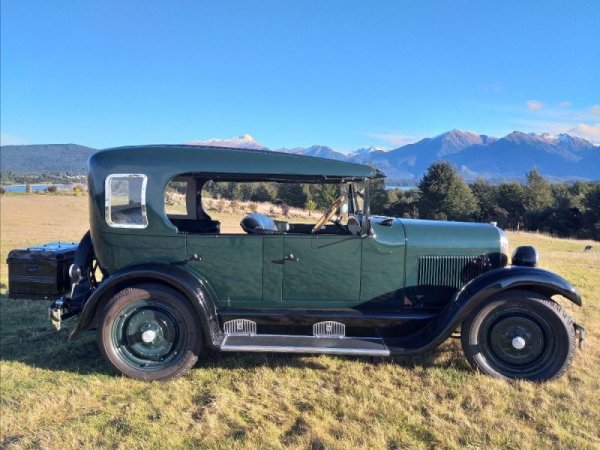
(538, 193)
(378, 196)
(403, 203)
(292, 194)
(511, 198)
(444, 195)
(264, 192)
(487, 201)
(592, 215)
(323, 194)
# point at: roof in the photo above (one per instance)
(225, 162)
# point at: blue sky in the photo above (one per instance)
(296, 73)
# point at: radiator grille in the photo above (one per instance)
(451, 271)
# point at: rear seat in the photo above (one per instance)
(256, 223)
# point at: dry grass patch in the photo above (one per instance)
(60, 394)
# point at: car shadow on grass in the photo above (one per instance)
(27, 337)
(50, 350)
(47, 349)
(445, 357)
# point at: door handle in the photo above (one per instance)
(192, 257)
(288, 258)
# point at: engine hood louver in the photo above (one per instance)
(451, 271)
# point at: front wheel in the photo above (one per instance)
(519, 335)
(150, 333)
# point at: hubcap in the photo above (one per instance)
(148, 335)
(518, 342)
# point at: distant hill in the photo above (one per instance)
(35, 159)
(557, 157)
(561, 157)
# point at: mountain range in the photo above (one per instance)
(37, 159)
(558, 157)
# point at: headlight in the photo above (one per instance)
(526, 255)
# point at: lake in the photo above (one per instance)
(402, 188)
(34, 187)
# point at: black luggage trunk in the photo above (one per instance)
(40, 272)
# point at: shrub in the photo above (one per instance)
(78, 189)
(169, 200)
(311, 205)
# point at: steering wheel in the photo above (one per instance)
(328, 214)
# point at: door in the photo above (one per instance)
(321, 270)
(232, 265)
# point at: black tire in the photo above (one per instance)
(149, 332)
(519, 334)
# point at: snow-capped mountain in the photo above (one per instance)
(365, 153)
(367, 150)
(245, 141)
(320, 151)
(559, 157)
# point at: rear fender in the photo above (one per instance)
(195, 289)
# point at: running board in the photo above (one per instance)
(305, 344)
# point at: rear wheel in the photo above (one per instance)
(149, 332)
(519, 335)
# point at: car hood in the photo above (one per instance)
(434, 235)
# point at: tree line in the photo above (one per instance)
(9, 177)
(560, 209)
(309, 196)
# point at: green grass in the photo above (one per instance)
(60, 394)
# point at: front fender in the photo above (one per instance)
(196, 290)
(517, 277)
(481, 289)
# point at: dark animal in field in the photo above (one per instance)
(588, 248)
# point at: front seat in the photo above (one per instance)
(256, 223)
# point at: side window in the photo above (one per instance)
(176, 198)
(125, 205)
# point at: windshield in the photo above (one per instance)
(357, 200)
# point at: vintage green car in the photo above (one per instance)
(163, 288)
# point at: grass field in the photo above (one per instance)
(60, 394)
